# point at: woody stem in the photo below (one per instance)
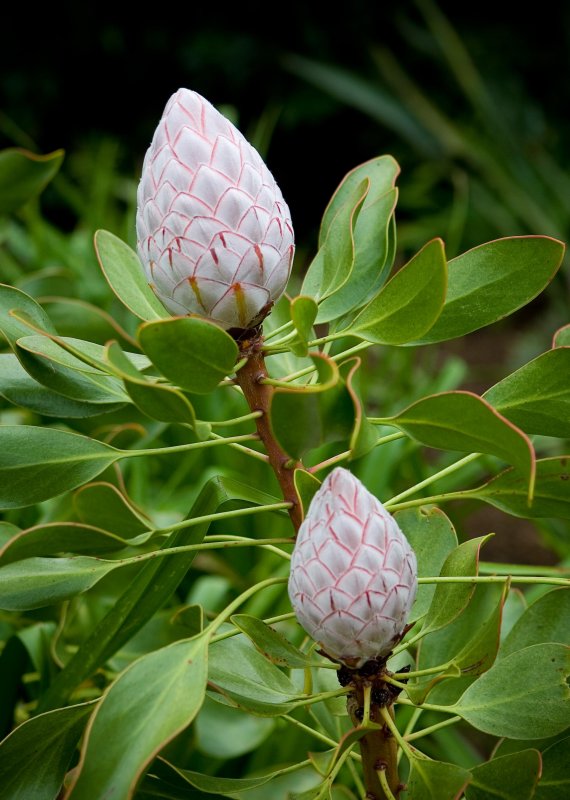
(259, 395)
(378, 748)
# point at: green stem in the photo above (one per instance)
(432, 728)
(426, 501)
(498, 579)
(237, 631)
(278, 330)
(247, 450)
(224, 423)
(393, 728)
(237, 512)
(425, 706)
(235, 604)
(489, 567)
(317, 698)
(337, 357)
(435, 477)
(419, 672)
(384, 784)
(189, 548)
(182, 448)
(347, 453)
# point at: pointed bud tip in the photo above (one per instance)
(211, 218)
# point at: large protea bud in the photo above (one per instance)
(353, 573)
(214, 233)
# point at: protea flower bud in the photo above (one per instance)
(353, 573)
(214, 233)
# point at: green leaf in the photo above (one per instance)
(145, 708)
(52, 538)
(19, 388)
(23, 175)
(104, 506)
(306, 486)
(37, 582)
(471, 641)
(512, 777)
(493, 280)
(372, 233)
(537, 396)
(555, 772)
(157, 401)
(409, 304)
(436, 780)
(39, 463)
(62, 372)
(562, 337)
(323, 411)
(333, 264)
(12, 328)
(449, 599)
(432, 537)
(545, 620)
(125, 275)
(508, 490)
(272, 644)
(523, 696)
(193, 353)
(364, 436)
(225, 732)
(252, 682)
(463, 421)
(35, 756)
(148, 591)
(303, 314)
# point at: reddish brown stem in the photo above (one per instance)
(378, 748)
(259, 396)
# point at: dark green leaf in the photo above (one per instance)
(463, 421)
(125, 275)
(36, 755)
(250, 680)
(272, 644)
(23, 175)
(512, 777)
(306, 485)
(12, 328)
(303, 314)
(493, 280)
(19, 388)
(153, 399)
(225, 732)
(555, 781)
(432, 537)
(508, 490)
(193, 353)
(148, 591)
(323, 412)
(545, 620)
(39, 463)
(523, 696)
(436, 780)
(409, 304)
(60, 537)
(149, 703)
(104, 506)
(450, 599)
(562, 337)
(537, 396)
(37, 582)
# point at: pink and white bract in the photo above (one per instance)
(214, 233)
(353, 573)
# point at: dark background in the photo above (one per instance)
(74, 72)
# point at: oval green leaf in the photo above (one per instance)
(409, 304)
(193, 353)
(39, 463)
(23, 175)
(125, 275)
(493, 280)
(511, 777)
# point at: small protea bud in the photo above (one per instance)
(214, 233)
(353, 573)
